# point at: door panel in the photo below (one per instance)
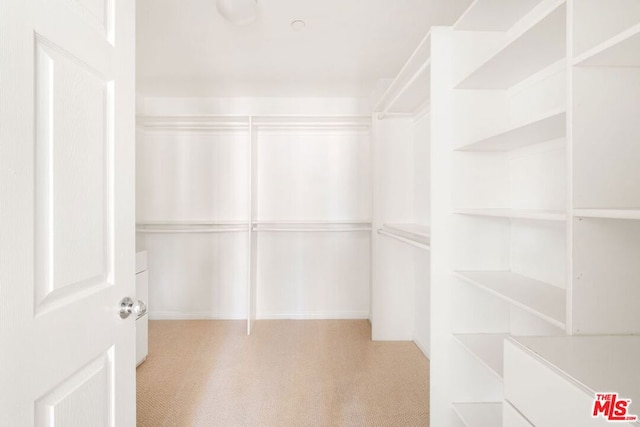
(67, 127)
(74, 149)
(83, 399)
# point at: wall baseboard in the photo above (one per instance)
(325, 315)
(330, 315)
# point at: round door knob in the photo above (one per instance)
(140, 309)
(127, 306)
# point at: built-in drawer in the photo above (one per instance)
(141, 261)
(142, 294)
(512, 418)
(543, 392)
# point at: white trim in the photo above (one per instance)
(422, 347)
(203, 315)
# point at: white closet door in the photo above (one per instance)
(67, 212)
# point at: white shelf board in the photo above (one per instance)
(622, 50)
(410, 96)
(608, 213)
(479, 414)
(410, 89)
(192, 222)
(310, 226)
(416, 232)
(542, 215)
(594, 363)
(493, 15)
(538, 298)
(538, 47)
(402, 239)
(488, 348)
(550, 126)
(194, 122)
(176, 228)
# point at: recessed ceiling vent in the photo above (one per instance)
(298, 25)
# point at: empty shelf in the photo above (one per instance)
(492, 15)
(486, 347)
(545, 128)
(412, 234)
(594, 363)
(197, 122)
(542, 215)
(409, 90)
(479, 414)
(538, 298)
(622, 50)
(419, 233)
(205, 227)
(608, 213)
(540, 46)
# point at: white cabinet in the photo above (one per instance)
(511, 417)
(142, 296)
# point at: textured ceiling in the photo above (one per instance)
(185, 48)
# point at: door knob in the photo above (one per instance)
(127, 306)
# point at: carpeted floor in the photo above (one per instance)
(287, 373)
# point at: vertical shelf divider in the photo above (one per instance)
(252, 236)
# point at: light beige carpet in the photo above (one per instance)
(287, 373)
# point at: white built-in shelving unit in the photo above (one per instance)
(535, 231)
(400, 308)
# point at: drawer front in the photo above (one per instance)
(142, 287)
(512, 418)
(545, 397)
(141, 261)
(142, 340)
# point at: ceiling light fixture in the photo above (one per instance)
(298, 25)
(238, 12)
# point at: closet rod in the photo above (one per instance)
(315, 230)
(406, 86)
(359, 223)
(404, 240)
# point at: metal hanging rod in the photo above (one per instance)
(311, 222)
(310, 229)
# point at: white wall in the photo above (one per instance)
(189, 173)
